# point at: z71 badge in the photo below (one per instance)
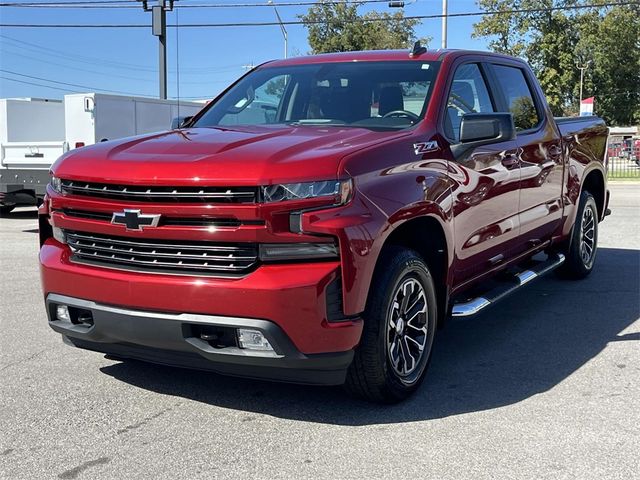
(424, 147)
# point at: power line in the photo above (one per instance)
(75, 58)
(301, 22)
(283, 4)
(72, 4)
(36, 84)
(67, 84)
(70, 67)
(134, 4)
(125, 77)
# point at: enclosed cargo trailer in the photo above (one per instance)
(97, 117)
(35, 132)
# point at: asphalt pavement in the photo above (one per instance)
(544, 385)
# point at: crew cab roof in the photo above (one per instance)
(379, 56)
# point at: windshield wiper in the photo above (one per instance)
(317, 121)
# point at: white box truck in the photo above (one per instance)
(35, 132)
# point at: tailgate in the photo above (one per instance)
(30, 154)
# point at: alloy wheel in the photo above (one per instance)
(407, 330)
(587, 236)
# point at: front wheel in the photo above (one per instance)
(581, 254)
(399, 327)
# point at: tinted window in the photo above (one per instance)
(362, 94)
(258, 108)
(468, 94)
(518, 95)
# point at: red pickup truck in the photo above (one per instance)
(322, 217)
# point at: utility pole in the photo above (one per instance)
(284, 30)
(159, 29)
(444, 23)
(401, 4)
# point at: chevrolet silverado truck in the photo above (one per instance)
(321, 218)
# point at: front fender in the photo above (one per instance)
(364, 226)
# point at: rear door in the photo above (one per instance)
(539, 147)
(485, 181)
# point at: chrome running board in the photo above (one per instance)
(478, 304)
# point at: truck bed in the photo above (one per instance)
(588, 135)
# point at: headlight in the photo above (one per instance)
(56, 184)
(340, 191)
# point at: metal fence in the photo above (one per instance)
(624, 157)
(623, 167)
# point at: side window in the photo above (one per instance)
(518, 95)
(468, 94)
(258, 106)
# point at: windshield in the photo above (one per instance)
(380, 95)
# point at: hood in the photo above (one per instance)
(223, 156)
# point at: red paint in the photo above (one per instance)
(484, 206)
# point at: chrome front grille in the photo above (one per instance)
(162, 194)
(179, 257)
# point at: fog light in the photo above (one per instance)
(62, 313)
(253, 340)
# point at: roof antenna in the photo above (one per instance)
(417, 49)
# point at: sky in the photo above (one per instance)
(125, 60)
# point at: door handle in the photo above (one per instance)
(510, 162)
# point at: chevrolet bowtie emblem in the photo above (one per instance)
(134, 220)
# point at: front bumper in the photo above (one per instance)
(15, 182)
(169, 339)
(288, 302)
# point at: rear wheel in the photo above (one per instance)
(399, 327)
(581, 254)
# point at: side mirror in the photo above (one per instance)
(179, 122)
(477, 129)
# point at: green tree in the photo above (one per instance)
(612, 44)
(338, 27)
(555, 41)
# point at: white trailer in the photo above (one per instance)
(35, 132)
(31, 138)
(96, 117)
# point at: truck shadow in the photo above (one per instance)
(524, 346)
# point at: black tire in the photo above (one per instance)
(580, 259)
(6, 209)
(372, 375)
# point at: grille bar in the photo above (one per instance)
(152, 255)
(167, 220)
(80, 246)
(161, 193)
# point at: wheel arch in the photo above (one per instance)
(427, 235)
